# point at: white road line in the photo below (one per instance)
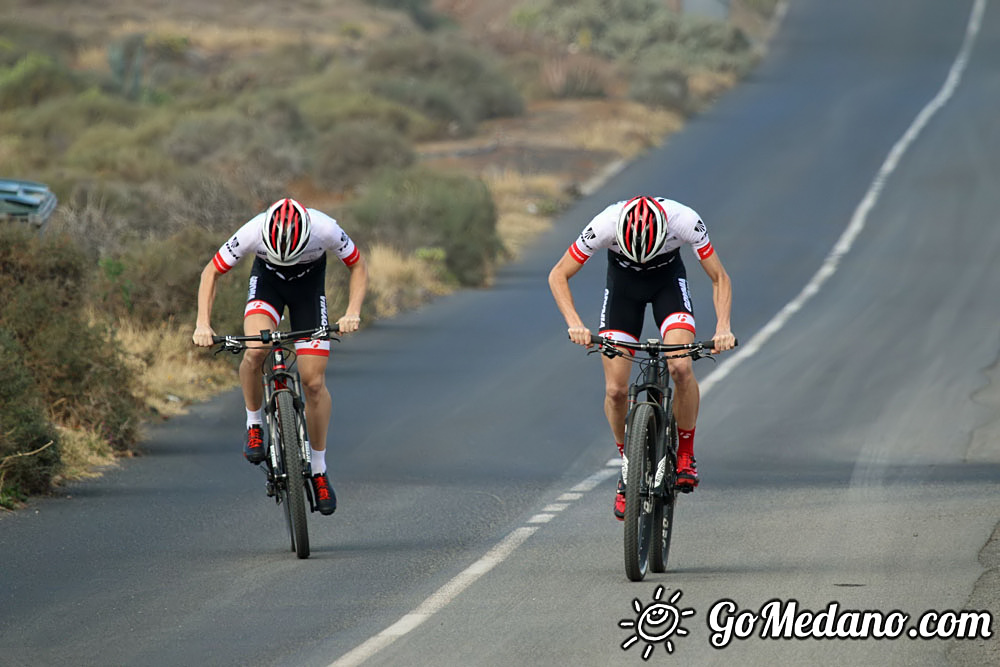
(509, 544)
(437, 600)
(860, 217)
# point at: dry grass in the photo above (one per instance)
(524, 205)
(172, 372)
(399, 282)
(627, 128)
(83, 454)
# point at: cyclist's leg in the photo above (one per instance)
(312, 368)
(687, 395)
(263, 311)
(621, 319)
(616, 377)
(672, 309)
(253, 359)
(674, 313)
(257, 316)
(307, 310)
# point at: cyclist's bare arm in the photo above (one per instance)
(203, 331)
(559, 276)
(722, 297)
(357, 285)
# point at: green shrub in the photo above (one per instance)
(197, 136)
(18, 39)
(34, 78)
(418, 10)
(417, 207)
(324, 105)
(78, 370)
(346, 155)
(113, 151)
(162, 279)
(661, 86)
(438, 100)
(641, 32)
(466, 86)
(24, 427)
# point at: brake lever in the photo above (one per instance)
(705, 354)
(228, 346)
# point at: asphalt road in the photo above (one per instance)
(852, 459)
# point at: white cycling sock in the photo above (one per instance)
(318, 461)
(254, 417)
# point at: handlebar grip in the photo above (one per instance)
(595, 339)
(710, 344)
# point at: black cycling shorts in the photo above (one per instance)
(628, 291)
(303, 295)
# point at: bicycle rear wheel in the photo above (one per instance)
(663, 504)
(640, 447)
(293, 489)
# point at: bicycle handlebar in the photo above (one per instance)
(277, 337)
(695, 349)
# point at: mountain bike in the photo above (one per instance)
(288, 463)
(650, 465)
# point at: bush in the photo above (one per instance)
(113, 151)
(444, 78)
(325, 107)
(18, 39)
(33, 79)
(637, 31)
(661, 87)
(198, 136)
(24, 427)
(573, 77)
(416, 207)
(346, 155)
(418, 11)
(78, 370)
(154, 283)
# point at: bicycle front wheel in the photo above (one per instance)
(664, 502)
(294, 488)
(640, 447)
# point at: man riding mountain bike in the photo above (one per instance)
(289, 244)
(643, 236)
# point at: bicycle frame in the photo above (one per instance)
(278, 377)
(654, 380)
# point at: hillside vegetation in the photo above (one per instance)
(164, 126)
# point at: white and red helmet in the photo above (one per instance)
(285, 232)
(642, 229)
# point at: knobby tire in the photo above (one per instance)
(640, 447)
(294, 491)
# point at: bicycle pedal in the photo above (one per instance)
(269, 487)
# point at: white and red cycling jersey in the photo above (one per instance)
(325, 235)
(684, 226)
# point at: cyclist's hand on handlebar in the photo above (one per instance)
(202, 336)
(349, 323)
(724, 340)
(580, 335)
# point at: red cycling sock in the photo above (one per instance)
(685, 443)
(621, 448)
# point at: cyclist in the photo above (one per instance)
(289, 244)
(643, 236)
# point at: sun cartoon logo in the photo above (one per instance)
(656, 622)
